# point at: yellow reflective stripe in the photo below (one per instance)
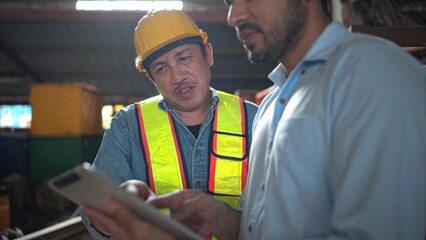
(228, 173)
(232, 201)
(163, 149)
(229, 121)
(227, 176)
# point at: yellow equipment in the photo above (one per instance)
(158, 29)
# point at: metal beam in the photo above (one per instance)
(113, 50)
(12, 56)
(216, 16)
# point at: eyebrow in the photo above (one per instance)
(179, 53)
(183, 51)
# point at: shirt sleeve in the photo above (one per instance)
(114, 158)
(378, 150)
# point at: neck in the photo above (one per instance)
(312, 29)
(194, 117)
(197, 114)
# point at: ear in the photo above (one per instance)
(209, 54)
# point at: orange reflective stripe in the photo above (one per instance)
(146, 150)
(164, 161)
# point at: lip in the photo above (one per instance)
(247, 36)
(184, 90)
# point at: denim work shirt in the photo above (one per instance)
(120, 155)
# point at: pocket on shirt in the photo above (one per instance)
(299, 154)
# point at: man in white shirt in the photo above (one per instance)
(338, 147)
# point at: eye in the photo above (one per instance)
(185, 59)
(159, 68)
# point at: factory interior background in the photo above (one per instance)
(65, 72)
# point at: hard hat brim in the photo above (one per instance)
(145, 64)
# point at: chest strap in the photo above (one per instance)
(228, 155)
(166, 171)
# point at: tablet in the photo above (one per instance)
(86, 187)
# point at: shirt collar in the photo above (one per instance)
(278, 75)
(327, 43)
(321, 50)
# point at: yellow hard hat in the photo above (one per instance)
(157, 29)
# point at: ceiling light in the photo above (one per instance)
(128, 5)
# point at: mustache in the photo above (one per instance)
(240, 28)
(179, 84)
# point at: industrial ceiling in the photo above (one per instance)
(57, 44)
(49, 41)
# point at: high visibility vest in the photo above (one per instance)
(228, 151)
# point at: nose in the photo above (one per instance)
(237, 12)
(178, 74)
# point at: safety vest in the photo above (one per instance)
(228, 149)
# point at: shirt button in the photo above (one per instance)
(197, 183)
(303, 71)
(250, 228)
(262, 187)
(282, 100)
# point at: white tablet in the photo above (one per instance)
(86, 187)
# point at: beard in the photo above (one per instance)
(283, 36)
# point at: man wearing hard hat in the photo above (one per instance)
(189, 136)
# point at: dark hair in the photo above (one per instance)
(326, 10)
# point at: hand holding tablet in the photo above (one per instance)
(86, 187)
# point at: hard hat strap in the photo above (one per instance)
(148, 61)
